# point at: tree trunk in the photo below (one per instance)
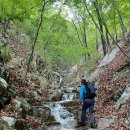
(76, 29)
(96, 40)
(85, 38)
(114, 15)
(121, 23)
(101, 28)
(107, 38)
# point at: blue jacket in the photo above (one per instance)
(83, 91)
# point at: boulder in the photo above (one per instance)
(42, 111)
(105, 122)
(22, 107)
(106, 60)
(124, 97)
(10, 120)
(56, 95)
(36, 96)
(69, 90)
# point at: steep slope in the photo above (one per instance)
(112, 82)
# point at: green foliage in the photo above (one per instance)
(5, 52)
(58, 41)
(92, 63)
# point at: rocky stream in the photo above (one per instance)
(65, 119)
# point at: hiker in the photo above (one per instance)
(86, 100)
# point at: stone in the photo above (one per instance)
(56, 95)
(49, 119)
(105, 122)
(69, 90)
(70, 103)
(15, 62)
(10, 120)
(124, 97)
(73, 69)
(106, 60)
(52, 123)
(127, 120)
(42, 111)
(3, 83)
(36, 96)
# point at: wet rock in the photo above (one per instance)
(70, 103)
(10, 120)
(52, 123)
(49, 119)
(65, 115)
(105, 122)
(124, 97)
(69, 90)
(69, 96)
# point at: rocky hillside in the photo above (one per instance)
(113, 79)
(22, 97)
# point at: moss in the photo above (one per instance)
(5, 53)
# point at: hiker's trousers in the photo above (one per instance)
(88, 104)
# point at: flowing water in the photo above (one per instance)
(61, 115)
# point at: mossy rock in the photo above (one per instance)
(49, 119)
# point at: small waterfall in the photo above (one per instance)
(67, 97)
(61, 115)
(61, 78)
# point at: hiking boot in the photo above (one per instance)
(92, 125)
(81, 124)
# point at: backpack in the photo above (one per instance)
(90, 90)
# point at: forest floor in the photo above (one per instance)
(112, 83)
